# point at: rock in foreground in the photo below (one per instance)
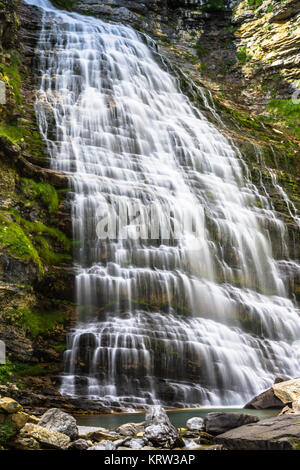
(265, 400)
(277, 433)
(194, 424)
(158, 428)
(59, 421)
(288, 391)
(218, 423)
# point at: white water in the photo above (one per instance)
(192, 320)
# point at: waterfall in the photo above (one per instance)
(183, 302)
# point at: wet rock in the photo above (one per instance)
(130, 429)
(194, 424)
(59, 421)
(104, 445)
(47, 438)
(218, 423)
(264, 401)
(158, 428)
(80, 444)
(276, 433)
(8, 405)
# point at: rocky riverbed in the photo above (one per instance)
(58, 430)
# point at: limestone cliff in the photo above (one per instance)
(36, 301)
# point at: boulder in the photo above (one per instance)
(48, 439)
(59, 421)
(294, 410)
(20, 419)
(218, 423)
(276, 433)
(158, 428)
(25, 443)
(288, 391)
(131, 429)
(99, 435)
(136, 443)
(8, 405)
(265, 400)
(103, 445)
(80, 444)
(194, 424)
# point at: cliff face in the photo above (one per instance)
(242, 57)
(36, 301)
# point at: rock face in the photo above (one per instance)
(195, 424)
(130, 429)
(278, 433)
(218, 423)
(288, 391)
(59, 421)
(264, 401)
(158, 428)
(47, 438)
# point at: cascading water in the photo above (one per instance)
(198, 317)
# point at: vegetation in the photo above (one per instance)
(13, 133)
(286, 112)
(6, 371)
(36, 322)
(43, 191)
(7, 430)
(242, 55)
(11, 76)
(17, 243)
(214, 5)
(255, 3)
(66, 4)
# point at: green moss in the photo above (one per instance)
(255, 3)
(214, 5)
(23, 370)
(6, 371)
(36, 229)
(13, 133)
(7, 430)
(17, 243)
(43, 191)
(66, 4)
(242, 55)
(48, 255)
(36, 322)
(12, 76)
(286, 112)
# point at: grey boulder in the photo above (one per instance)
(195, 424)
(218, 423)
(158, 428)
(103, 445)
(59, 421)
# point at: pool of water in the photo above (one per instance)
(177, 417)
